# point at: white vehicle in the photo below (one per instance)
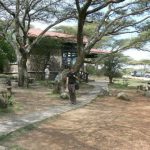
(147, 75)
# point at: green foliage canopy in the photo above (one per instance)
(46, 46)
(113, 65)
(6, 53)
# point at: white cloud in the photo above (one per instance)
(42, 25)
(137, 55)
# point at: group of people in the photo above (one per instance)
(71, 80)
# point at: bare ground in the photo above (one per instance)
(31, 100)
(35, 98)
(105, 124)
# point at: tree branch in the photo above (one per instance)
(50, 26)
(119, 28)
(7, 9)
(124, 16)
(103, 6)
(77, 5)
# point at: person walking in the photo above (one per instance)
(70, 84)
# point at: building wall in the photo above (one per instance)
(36, 65)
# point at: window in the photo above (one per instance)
(69, 54)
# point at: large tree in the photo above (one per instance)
(113, 17)
(18, 15)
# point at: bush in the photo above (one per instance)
(91, 69)
(100, 72)
(6, 99)
(94, 71)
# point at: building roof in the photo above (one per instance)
(98, 51)
(72, 38)
(34, 32)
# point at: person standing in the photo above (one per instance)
(70, 84)
(47, 72)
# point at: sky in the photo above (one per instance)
(137, 55)
(42, 25)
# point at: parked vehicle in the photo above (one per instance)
(147, 75)
(137, 74)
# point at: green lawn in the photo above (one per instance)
(127, 83)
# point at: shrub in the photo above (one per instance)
(6, 99)
(91, 69)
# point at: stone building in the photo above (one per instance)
(58, 59)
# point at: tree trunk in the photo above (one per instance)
(110, 80)
(22, 71)
(60, 82)
(79, 62)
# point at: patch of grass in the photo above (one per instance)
(6, 110)
(118, 86)
(127, 83)
(54, 96)
(45, 83)
(10, 109)
(135, 82)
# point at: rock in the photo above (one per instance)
(123, 96)
(64, 95)
(147, 93)
(104, 92)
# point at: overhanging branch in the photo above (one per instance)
(50, 26)
(7, 9)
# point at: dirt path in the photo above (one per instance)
(105, 124)
(36, 98)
